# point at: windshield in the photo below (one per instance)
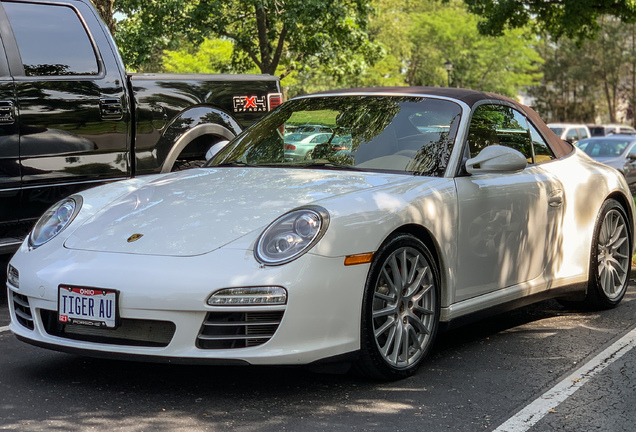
(603, 147)
(393, 133)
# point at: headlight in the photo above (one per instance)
(54, 220)
(291, 235)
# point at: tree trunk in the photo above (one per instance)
(263, 42)
(105, 11)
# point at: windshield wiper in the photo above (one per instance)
(234, 164)
(330, 165)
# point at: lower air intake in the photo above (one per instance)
(131, 332)
(22, 310)
(226, 330)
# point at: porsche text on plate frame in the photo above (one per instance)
(421, 206)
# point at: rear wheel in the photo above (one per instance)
(400, 310)
(610, 261)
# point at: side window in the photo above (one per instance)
(498, 124)
(48, 48)
(542, 151)
(572, 136)
(583, 133)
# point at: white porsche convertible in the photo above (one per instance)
(440, 204)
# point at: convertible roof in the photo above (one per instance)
(470, 98)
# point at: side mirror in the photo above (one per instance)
(496, 159)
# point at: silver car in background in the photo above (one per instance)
(617, 151)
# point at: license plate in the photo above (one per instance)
(94, 307)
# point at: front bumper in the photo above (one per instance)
(163, 300)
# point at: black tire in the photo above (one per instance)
(181, 165)
(610, 257)
(390, 314)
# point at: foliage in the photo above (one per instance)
(589, 81)
(499, 64)
(268, 33)
(212, 56)
(577, 19)
(567, 88)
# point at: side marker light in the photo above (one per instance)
(358, 259)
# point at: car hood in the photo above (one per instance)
(197, 211)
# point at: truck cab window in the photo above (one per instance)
(48, 48)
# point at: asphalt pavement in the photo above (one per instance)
(480, 377)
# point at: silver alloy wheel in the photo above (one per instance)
(613, 256)
(404, 307)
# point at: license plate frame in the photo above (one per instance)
(88, 306)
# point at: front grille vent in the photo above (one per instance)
(131, 332)
(22, 310)
(227, 330)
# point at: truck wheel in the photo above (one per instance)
(181, 165)
(400, 310)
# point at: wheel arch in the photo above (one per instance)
(425, 236)
(215, 131)
(189, 126)
(624, 201)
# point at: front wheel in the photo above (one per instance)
(400, 310)
(610, 261)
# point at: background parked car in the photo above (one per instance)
(298, 145)
(306, 129)
(617, 151)
(610, 129)
(570, 132)
(338, 146)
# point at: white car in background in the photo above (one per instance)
(447, 203)
(570, 132)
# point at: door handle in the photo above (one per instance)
(7, 112)
(111, 109)
(555, 199)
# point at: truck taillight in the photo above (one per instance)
(274, 99)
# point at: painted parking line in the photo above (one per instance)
(4, 329)
(533, 413)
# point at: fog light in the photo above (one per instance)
(249, 296)
(13, 276)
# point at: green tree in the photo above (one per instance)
(268, 33)
(577, 19)
(589, 80)
(569, 89)
(501, 64)
(211, 56)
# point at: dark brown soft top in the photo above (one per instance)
(470, 98)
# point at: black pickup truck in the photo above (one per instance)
(71, 117)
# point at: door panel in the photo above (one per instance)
(72, 110)
(9, 151)
(506, 229)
